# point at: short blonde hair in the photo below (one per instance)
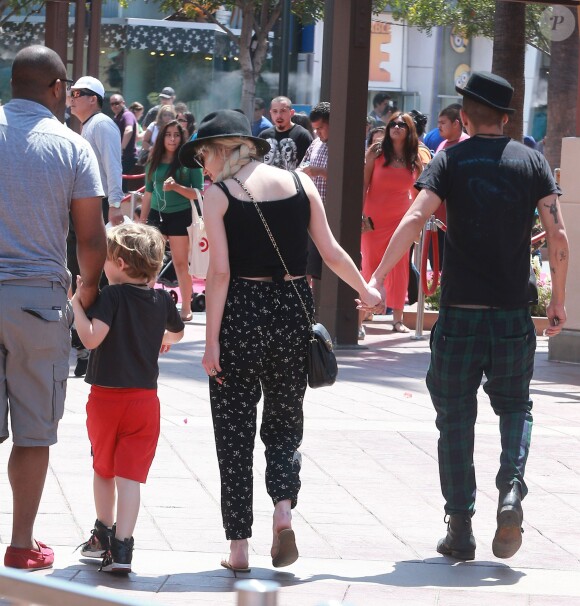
(141, 247)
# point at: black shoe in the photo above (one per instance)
(118, 559)
(99, 542)
(510, 515)
(459, 542)
(81, 367)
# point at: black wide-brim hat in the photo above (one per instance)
(225, 123)
(489, 89)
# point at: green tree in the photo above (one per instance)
(258, 19)
(510, 24)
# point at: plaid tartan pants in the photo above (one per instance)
(465, 345)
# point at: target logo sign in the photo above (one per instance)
(203, 244)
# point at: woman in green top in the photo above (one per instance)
(169, 187)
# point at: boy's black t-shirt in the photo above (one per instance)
(138, 318)
(286, 148)
(491, 187)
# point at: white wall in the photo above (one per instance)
(420, 68)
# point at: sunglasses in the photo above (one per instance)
(182, 120)
(113, 103)
(75, 94)
(394, 124)
(68, 83)
(199, 159)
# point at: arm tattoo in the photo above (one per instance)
(553, 210)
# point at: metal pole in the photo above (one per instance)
(257, 593)
(421, 294)
(284, 50)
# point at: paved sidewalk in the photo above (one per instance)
(370, 510)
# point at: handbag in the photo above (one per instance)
(198, 242)
(321, 365)
(142, 157)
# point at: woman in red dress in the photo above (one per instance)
(391, 168)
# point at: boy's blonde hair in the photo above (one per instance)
(141, 247)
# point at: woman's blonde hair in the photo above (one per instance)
(141, 247)
(165, 109)
(236, 152)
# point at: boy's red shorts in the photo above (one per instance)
(123, 426)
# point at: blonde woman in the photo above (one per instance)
(166, 114)
(256, 327)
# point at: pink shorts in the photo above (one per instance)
(123, 426)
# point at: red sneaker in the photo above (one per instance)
(29, 559)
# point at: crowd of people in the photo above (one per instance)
(265, 217)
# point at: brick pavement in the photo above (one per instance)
(370, 510)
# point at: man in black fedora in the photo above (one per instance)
(492, 186)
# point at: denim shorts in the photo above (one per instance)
(35, 321)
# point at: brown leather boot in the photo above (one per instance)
(510, 515)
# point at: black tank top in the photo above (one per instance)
(251, 253)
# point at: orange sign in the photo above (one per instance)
(386, 53)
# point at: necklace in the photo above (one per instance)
(399, 159)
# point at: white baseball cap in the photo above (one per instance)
(90, 83)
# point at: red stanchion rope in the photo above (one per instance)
(129, 177)
(430, 289)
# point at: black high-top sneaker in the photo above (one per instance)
(118, 559)
(510, 515)
(459, 542)
(99, 541)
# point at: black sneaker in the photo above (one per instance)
(118, 559)
(99, 543)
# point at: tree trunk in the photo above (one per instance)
(254, 47)
(247, 58)
(562, 91)
(509, 49)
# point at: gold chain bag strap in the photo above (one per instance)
(322, 368)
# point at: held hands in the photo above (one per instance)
(84, 295)
(370, 300)
(373, 304)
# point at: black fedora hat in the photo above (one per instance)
(225, 123)
(489, 89)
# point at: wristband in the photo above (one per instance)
(114, 204)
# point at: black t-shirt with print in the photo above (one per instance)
(138, 318)
(287, 148)
(491, 187)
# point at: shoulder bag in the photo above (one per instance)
(322, 368)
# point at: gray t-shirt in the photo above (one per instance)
(43, 166)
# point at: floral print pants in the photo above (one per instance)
(263, 344)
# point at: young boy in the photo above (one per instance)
(126, 329)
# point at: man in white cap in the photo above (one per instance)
(166, 97)
(86, 102)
